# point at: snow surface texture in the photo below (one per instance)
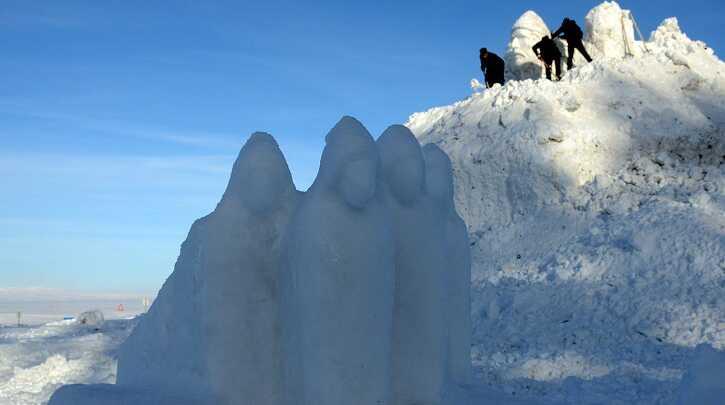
(316, 298)
(595, 207)
(35, 361)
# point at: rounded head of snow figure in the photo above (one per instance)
(402, 164)
(349, 164)
(261, 178)
(438, 176)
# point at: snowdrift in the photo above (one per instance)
(596, 210)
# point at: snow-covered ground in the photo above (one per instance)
(48, 351)
(596, 209)
(36, 360)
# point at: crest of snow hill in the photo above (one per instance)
(354, 292)
(594, 208)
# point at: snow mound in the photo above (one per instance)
(91, 319)
(595, 208)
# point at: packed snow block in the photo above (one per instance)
(337, 300)
(112, 394)
(610, 31)
(420, 329)
(704, 381)
(91, 319)
(439, 185)
(521, 62)
(214, 329)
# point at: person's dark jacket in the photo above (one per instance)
(493, 64)
(570, 31)
(547, 49)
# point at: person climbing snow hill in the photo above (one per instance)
(492, 67)
(573, 34)
(547, 51)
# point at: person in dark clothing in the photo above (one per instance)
(573, 34)
(492, 66)
(548, 52)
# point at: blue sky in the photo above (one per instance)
(119, 120)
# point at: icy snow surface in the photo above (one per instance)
(595, 207)
(34, 361)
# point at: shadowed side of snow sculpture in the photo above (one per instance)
(338, 280)
(439, 185)
(419, 328)
(213, 332)
(704, 381)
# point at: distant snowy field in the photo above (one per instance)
(36, 360)
(47, 351)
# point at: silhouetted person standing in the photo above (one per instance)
(573, 34)
(492, 67)
(548, 52)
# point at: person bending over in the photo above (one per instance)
(573, 34)
(547, 51)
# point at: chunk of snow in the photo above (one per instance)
(91, 319)
(610, 31)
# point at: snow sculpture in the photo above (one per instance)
(419, 330)
(439, 184)
(214, 327)
(704, 381)
(320, 299)
(521, 62)
(240, 295)
(610, 31)
(338, 281)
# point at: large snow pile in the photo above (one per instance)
(355, 292)
(596, 210)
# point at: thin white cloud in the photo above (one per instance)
(26, 294)
(208, 140)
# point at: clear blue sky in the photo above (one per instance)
(119, 120)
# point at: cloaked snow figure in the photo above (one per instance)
(338, 292)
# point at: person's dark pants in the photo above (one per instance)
(493, 78)
(557, 65)
(579, 46)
